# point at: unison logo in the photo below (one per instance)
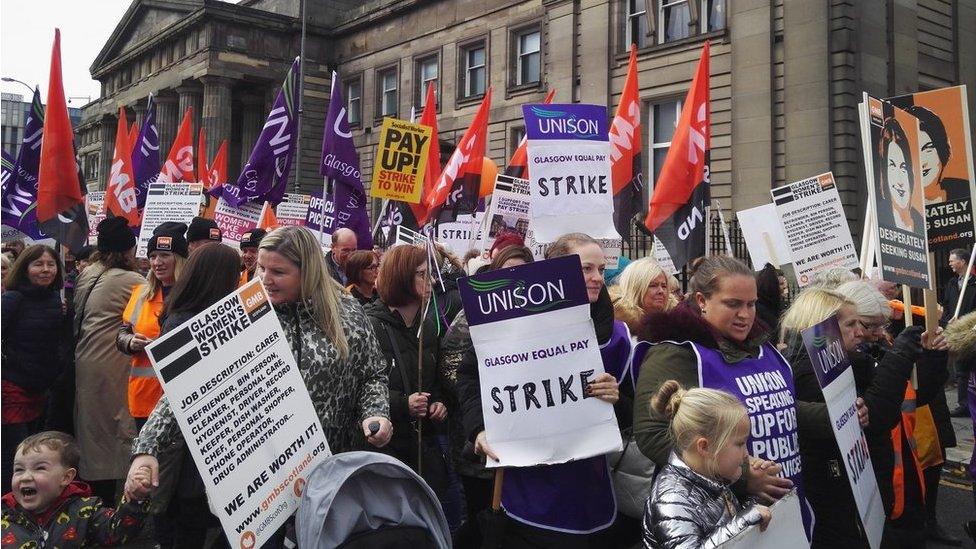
(555, 121)
(506, 295)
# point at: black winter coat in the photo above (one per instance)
(950, 296)
(882, 386)
(399, 345)
(36, 337)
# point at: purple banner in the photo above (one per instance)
(825, 346)
(558, 122)
(145, 154)
(350, 214)
(522, 291)
(6, 170)
(265, 175)
(19, 201)
(340, 161)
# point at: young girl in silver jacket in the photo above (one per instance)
(692, 504)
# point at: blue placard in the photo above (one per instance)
(825, 346)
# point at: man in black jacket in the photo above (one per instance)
(958, 261)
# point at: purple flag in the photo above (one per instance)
(340, 161)
(145, 154)
(347, 209)
(19, 201)
(265, 175)
(6, 171)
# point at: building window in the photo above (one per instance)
(354, 101)
(663, 118)
(636, 31)
(714, 15)
(426, 71)
(386, 92)
(518, 134)
(677, 19)
(528, 56)
(473, 70)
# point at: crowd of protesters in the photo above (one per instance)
(92, 451)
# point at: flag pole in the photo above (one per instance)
(301, 101)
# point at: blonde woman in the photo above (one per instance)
(643, 288)
(167, 253)
(880, 389)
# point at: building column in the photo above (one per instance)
(217, 110)
(167, 120)
(139, 109)
(251, 123)
(106, 132)
(190, 96)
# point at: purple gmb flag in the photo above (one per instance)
(265, 175)
(19, 201)
(340, 161)
(145, 154)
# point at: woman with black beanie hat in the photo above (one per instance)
(103, 427)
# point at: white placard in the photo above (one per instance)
(242, 406)
(508, 210)
(95, 208)
(662, 257)
(179, 202)
(764, 236)
(461, 235)
(537, 350)
(293, 209)
(785, 529)
(815, 225)
(234, 222)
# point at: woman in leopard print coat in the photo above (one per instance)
(333, 343)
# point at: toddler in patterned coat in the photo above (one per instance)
(49, 508)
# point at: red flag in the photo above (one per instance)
(179, 164)
(203, 171)
(216, 176)
(625, 152)
(133, 136)
(268, 218)
(120, 190)
(518, 165)
(677, 209)
(60, 195)
(456, 190)
(429, 118)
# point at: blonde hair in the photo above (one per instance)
(831, 278)
(320, 292)
(154, 285)
(708, 413)
(813, 305)
(636, 278)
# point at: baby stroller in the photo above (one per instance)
(360, 500)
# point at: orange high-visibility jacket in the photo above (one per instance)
(144, 388)
(906, 426)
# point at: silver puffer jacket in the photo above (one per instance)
(689, 511)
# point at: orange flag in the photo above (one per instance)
(133, 136)
(120, 190)
(216, 176)
(625, 153)
(268, 219)
(60, 196)
(179, 164)
(676, 213)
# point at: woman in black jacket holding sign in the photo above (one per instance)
(404, 286)
(880, 389)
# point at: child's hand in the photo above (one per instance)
(141, 486)
(765, 516)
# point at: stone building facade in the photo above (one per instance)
(786, 75)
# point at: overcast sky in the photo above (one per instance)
(27, 33)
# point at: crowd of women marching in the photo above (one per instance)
(74, 361)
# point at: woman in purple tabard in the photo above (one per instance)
(570, 505)
(712, 340)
